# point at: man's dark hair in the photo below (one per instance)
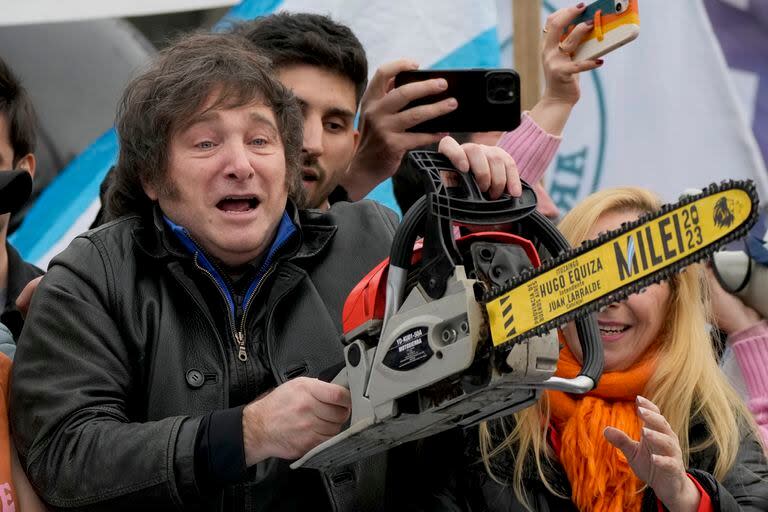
(171, 93)
(16, 106)
(313, 39)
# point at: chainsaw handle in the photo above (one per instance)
(552, 239)
(433, 164)
(400, 257)
(466, 204)
(402, 245)
(591, 366)
(449, 206)
(586, 327)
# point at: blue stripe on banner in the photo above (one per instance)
(65, 199)
(247, 10)
(480, 52)
(384, 194)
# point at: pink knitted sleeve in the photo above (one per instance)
(531, 147)
(751, 349)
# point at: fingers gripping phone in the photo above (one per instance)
(489, 99)
(617, 22)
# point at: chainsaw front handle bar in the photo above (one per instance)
(433, 215)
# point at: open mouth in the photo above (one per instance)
(611, 330)
(309, 174)
(238, 204)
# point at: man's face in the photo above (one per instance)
(226, 181)
(330, 139)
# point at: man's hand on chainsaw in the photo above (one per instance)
(495, 171)
(293, 418)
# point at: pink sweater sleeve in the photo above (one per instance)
(531, 147)
(751, 349)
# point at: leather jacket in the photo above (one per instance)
(121, 358)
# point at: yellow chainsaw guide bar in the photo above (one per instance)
(621, 262)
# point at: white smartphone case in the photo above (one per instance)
(592, 49)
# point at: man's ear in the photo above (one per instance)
(28, 163)
(150, 190)
(356, 135)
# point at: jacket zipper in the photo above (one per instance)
(242, 354)
(240, 344)
(239, 335)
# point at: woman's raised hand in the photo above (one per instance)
(657, 458)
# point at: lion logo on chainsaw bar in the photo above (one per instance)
(723, 216)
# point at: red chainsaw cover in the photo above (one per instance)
(367, 300)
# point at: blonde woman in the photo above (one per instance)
(663, 427)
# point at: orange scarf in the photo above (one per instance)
(600, 477)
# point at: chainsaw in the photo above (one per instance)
(454, 330)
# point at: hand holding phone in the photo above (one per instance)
(383, 123)
(616, 23)
(488, 99)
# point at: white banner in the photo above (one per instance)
(661, 113)
(24, 12)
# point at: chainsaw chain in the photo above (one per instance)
(622, 293)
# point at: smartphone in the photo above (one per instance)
(617, 22)
(489, 99)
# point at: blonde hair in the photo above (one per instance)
(686, 383)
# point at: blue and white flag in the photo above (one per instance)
(663, 112)
(460, 33)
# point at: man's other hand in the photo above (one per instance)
(293, 418)
(495, 171)
(25, 297)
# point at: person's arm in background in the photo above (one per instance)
(25, 297)
(750, 346)
(534, 143)
(27, 499)
(24, 497)
(747, 337)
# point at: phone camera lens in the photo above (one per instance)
(501, 88)
(501, 94)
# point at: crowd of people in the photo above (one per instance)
(169, 358)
